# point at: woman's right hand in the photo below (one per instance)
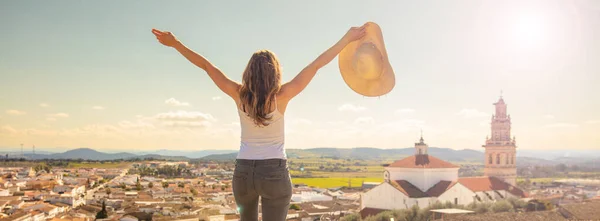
(166, 38)
(354, 34)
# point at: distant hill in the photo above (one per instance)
(226, 156)
(364, 153)
(91, 154)
(531, 161)
(555, 154)
(83, 153)
(188, 154)
(368, 153)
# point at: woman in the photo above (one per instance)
(261, 99)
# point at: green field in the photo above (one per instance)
(334, 181)
(106, 165)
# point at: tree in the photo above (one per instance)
(138, 185)
(165, 184)
(150, 185)
(102, 214)
(295, 207)
(108, 192)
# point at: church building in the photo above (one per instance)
(422, 179)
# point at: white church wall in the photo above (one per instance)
(484, 197)
(421, 202)
(423, 178)
(463, 195)
(384, 196)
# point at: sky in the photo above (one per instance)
(91, 74)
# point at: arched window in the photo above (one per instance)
(419, 151)
(507, 162)
(498, 159)
(490, 159)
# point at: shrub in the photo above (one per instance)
(351, 217)
(517, 203)
(482, 207)
(502, 206)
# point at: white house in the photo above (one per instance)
(4, 192)
(307, 196)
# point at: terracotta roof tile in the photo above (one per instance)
(422, 161)
(478, 184)
(582, 211)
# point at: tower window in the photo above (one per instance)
(490, 159)
(498, 159)
(507, 159)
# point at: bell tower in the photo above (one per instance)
(500, 149)
(421, 146)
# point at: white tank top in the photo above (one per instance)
(266, 142)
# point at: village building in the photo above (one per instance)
(422, 179)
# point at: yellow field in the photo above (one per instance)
(334, 181)
(539, 180)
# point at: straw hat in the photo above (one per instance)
(365, 66)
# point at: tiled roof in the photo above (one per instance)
(408, 189)
(422, 161)
(439, 188)
(582, 211)
(478, 184)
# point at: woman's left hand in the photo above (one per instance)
(355, 33)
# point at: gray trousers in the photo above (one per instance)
(269, 179)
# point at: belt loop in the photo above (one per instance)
(280, 162)
(254, 163)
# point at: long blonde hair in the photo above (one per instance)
(260, 84)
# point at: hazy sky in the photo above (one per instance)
(90, 73)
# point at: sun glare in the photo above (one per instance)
(530, 30)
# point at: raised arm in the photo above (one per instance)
(296, 85)
(226, 85)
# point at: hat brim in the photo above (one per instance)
(370, 88)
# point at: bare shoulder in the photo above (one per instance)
(286, 91)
